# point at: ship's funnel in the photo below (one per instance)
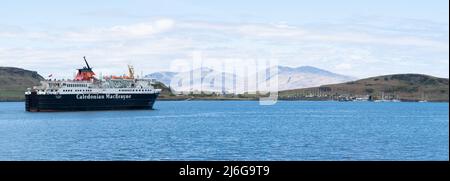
(85, 73)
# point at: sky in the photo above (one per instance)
(359, 38)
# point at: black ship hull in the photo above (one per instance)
(88, 102)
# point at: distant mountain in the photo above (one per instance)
(407, 87)
(163, 77)
(15, 81)
(206, 80)
(307, 76)
(288, 78)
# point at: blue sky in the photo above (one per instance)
(354, 37)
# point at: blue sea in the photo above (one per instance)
(231, 130)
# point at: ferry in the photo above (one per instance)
(87, 93)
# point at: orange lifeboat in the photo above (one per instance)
(129, 76)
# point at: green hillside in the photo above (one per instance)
(15, 81)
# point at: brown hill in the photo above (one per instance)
(406, 87)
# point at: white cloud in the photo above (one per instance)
(122, 32)
(363, 38)
(361, 51)
(344, 66)
(271, 31)
(292, 33)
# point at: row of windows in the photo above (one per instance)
(76, 85)
(83, 90)
(77, 90)
(134, 90)
(120, 90)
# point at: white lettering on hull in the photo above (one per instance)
(102, 96)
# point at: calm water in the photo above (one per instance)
(231, 130)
